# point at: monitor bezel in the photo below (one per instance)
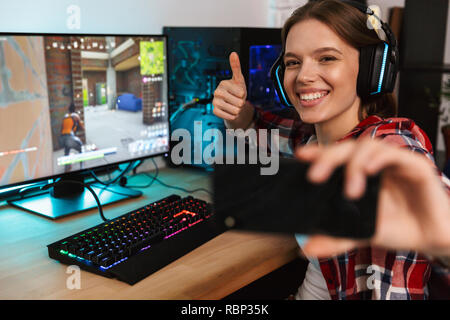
(85, 171)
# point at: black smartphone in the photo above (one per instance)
(287, 202)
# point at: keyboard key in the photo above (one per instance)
(106, 262)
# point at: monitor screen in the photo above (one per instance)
(78, 102)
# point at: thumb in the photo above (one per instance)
(236, 68)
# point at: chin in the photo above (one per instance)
(309, 117)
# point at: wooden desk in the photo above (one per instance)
(212, 271)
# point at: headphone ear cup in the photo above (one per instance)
(277, 76)
(377, 71)
(365, 82)
(391, 69)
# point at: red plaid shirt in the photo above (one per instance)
(370, 273)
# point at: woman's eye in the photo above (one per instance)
(291, 63)
(327, 59)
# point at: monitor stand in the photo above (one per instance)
(67, 199)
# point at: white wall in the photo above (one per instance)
(385, 5)
(279, 10)
(132, 16)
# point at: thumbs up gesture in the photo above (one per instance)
(235, 65)
(230, 96)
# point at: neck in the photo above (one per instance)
(332, 130)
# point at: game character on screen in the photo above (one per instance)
(71, 124)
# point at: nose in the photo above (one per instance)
(307, 73)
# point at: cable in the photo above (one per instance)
(107, 183)
(190, 104)
(154, 178)
(119, 177)
(99, 205)
(182, 189)
(105, 188)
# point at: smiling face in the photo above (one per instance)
(320, 76)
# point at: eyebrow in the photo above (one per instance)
(320, 50)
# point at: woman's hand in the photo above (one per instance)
(230, 98)
(413, 207)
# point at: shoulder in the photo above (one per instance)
(401, 131)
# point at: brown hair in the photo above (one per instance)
(350, 24)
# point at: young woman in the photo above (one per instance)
(321, 42)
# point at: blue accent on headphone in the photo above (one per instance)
(281, 87)
(383, 66)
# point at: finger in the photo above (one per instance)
(236, 68)
(413, 165)
(237, 90)
(308, 152)
(224, 115)
(224, 94)
(329, 159)
(355, 171)
(324, 246)
(225, 106)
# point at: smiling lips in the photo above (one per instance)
(311, 97)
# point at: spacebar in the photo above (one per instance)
(147, 242)
(146, 262)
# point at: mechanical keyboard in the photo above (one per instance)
(138, 243)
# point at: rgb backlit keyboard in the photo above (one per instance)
(138, 243)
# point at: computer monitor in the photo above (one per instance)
(74, 103)
(261, 91)
(199, 60)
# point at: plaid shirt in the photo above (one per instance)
(370, 273)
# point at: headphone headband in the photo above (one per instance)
(366, 10)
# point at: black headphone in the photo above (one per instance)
(378, 65)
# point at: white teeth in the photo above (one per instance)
(312, 96)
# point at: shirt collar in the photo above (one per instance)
(367, 122)
(312, 139)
